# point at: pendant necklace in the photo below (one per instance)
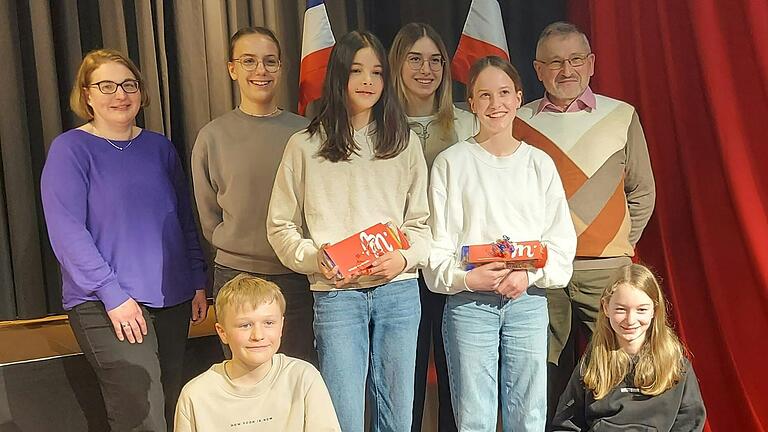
(110, 141)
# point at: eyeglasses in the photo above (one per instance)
(249, 63)
(575, 61)
(110, 87)
(416, 62)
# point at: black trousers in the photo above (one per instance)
(431, 336)
(140, 383)
(298, 337)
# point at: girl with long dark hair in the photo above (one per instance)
(356, 165)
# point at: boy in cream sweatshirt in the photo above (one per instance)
(258, 390)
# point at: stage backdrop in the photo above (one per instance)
(181, 48)
(697, 70)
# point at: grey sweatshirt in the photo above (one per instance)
(234, 162)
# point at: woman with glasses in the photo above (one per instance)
(234, 162)
(423, 84)
(121, 225)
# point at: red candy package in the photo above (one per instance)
(357, 252)
(526, 255)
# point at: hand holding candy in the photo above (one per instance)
(514, 284)
(388, 265)
(333, 274)
(486, 277)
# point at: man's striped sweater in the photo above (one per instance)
(603, 161)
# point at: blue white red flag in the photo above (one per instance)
(483, 35)
(316, 44)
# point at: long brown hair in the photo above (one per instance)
(659, 365)
(398, 54)
(332, 121)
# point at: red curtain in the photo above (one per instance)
(697, 71)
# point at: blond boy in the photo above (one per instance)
(258, 390)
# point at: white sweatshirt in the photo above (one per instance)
(477, 197)
(292, 397)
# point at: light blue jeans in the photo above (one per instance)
(368, 336)
(484, 332)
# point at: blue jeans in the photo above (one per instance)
(368, 336)
(479, 327)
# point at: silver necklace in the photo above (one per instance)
(277, 109)
(110, 141)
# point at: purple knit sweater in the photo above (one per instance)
(120, 222)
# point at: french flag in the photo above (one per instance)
(483, 35)
(316, 44)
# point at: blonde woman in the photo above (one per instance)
(422, 81)
(635, 374)
(120, 222)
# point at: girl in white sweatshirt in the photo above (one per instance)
(356, 165)
(495, 321)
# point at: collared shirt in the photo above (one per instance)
(585, 102)
(433, 138)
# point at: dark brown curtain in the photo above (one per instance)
(180, 47)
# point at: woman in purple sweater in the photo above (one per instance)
(120, 223)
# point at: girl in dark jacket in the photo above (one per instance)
(635, 374)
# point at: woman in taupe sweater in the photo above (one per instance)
(234, 162)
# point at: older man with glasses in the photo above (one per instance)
(600, 151)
